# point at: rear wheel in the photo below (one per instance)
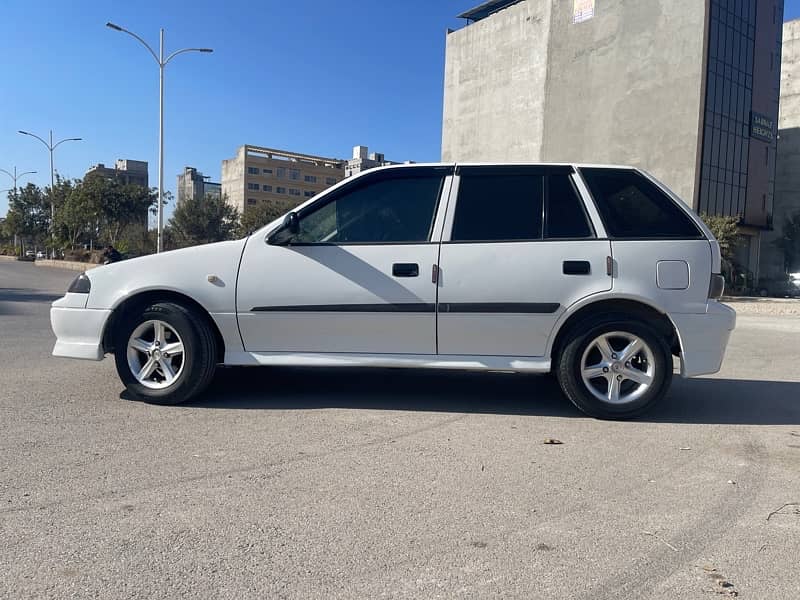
(165, 353)
(615, 369)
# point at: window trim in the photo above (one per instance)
(371, 177)
(669, 194)
(592, 216)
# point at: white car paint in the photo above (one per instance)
(250, 273)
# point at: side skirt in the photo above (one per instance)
(523, 364)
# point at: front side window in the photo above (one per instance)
(498, 207)
(632, 206)
(394, 210)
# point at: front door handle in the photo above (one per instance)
(405, 270)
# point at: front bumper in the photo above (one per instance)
(79, 331)
(704, 338)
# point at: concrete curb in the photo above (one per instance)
(4, 257)
(66, 264)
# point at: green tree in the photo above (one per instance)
(789, 243)
(259, 215)
(726, 230)
(29, 214)
(77, 216)
(202, 221)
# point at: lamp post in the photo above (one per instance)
(162, 62)
(51, 146)
(15, 176)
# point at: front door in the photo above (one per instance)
(519, 251)
(356, 277)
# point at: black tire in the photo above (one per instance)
(568, 368)
(199, 353)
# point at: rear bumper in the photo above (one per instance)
(704, 338)
(79, 332)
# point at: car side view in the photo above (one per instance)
(597, 274)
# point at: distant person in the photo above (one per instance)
(110, 255)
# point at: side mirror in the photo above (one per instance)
(284, 234)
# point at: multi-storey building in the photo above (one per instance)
(192, 184)
(686, 89)
(258, 174)
(787, 174)
(129, 172)
(363, 160)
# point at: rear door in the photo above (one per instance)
(518, 248)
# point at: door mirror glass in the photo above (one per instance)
(286, 232)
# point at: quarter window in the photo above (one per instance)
(382, 211)
(632, 206)
(498, 207)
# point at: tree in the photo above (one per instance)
(202, 221)
(789, 243)
(76, 215)
(259, 215)
(726, 230)
(29, 213)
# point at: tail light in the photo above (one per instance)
(716, 287)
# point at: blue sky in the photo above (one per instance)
(306, 75)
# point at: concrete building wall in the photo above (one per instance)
(233, 180)
(494, 86)
(626, 87)
(787, 173)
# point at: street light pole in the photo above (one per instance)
(16, 176)
(162, 62)
(51, 147)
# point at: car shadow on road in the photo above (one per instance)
(702, 401)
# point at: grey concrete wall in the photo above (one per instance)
(625, 87)
(787, 169)
(494, 86)
(233, 179)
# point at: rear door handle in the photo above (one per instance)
(405, 270)
(577, 267)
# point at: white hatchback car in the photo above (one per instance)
(597, 274)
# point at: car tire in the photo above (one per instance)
(592, 364)
(165, 353)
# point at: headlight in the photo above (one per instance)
(80, 285)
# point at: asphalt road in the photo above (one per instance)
(289, 483)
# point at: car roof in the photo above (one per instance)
(502, 164)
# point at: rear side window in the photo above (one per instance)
(498, 207)
(631, 206)
(565, 216)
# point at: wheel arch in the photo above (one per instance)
(628, 307)
(145, 298)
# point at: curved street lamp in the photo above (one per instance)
(51, 147)
(15, 176)
(162, 62)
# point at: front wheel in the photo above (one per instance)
(165, 354)
(615, 370)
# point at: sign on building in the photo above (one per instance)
(762, 127)
(582, 10)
